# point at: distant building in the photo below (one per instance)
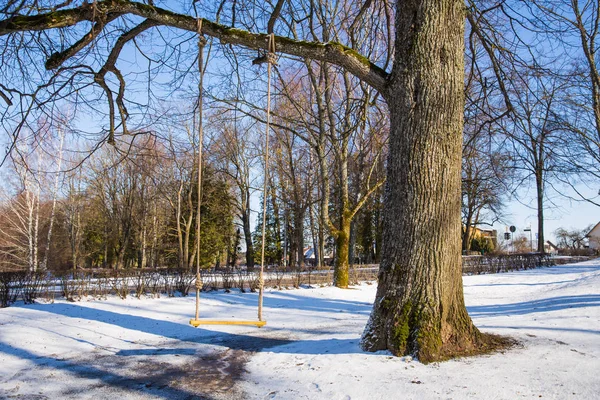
(551, 248)
(489, 234)
(310, 257)
(594, 237)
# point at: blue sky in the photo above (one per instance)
(565, 213)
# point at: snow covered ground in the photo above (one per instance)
(145, 349)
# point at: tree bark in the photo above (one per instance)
(299, 235)
(276, 225)
(419, 307)
(466, 239)
(341, 277)
(247, 232)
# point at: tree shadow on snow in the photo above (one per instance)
(290, 299)
(541, 328)
(536, 306)
(157, 384)
(157, 381)
(185, 333)
(523, 283)
(585, 272)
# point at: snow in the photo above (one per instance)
(145, 349)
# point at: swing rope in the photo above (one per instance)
(270, 59)
(201, 44)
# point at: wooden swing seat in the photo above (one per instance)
(197, 322)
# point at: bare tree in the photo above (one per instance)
(237, 159)
(177, 176)
(20, 230)
(571, 239)
(57, 175)
(346, 135)
(113, 186)
(291, 157)
(536, 136)
(575, 27)
(72, 206)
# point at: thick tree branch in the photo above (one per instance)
(6, 98)
(110, 65)
(366, 197)
(489, 47)
(57, 59)
(361, 13)
(274, 16)
(331, 52)
(99, 79)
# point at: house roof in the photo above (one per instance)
(309, 253)
(592, 230)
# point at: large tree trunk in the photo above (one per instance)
(277, 225)
(299, 215)
(352, 244)
(293, 254)
(248, 238)
(419, 307)
(341, 277)
(466, 239)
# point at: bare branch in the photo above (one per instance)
(332, 52)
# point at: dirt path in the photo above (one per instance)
(170, 370)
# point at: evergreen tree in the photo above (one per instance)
(273, 245)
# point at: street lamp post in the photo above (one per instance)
(512, 233)
(530, 237)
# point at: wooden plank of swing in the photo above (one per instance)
(197, 322)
